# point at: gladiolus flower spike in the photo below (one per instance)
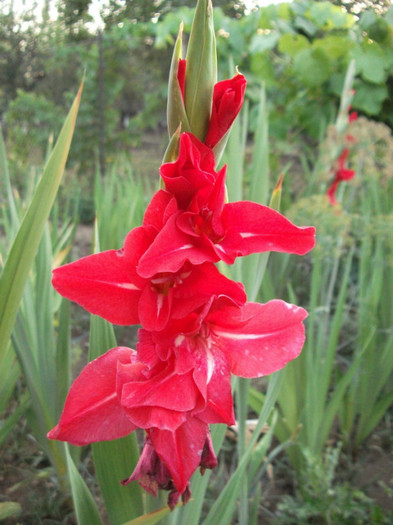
(197, 327)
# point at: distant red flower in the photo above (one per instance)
(342, 174)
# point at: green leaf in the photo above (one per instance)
(369, 98)
(224, 507)
(320, 12)
(6, 180)
(85, 507)
(371, 62)
(261, 43)
(377, 28)
(26, 242)
(201, 70)
(335, 46)
(268, 16)
(291, 44)
(8, 509)
(262, 66)
(8, 425)
(312, 66)
(340, 19)
(114, 460)
(255, 399)
(176, 112)
(306, 25)
(152, 517)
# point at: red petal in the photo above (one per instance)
(193, 170)
(166, 390)
(92, 411)
(154, 308)
(181, 75)
(160, 208)
(203, 282)
(219, 408)
(160, 401)
(331, 192)
(272, 335)
(253, 228)
(104, 284)
(170, 249)
(181, 451)
(228, 99)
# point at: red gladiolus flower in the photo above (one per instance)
(342, 174)
(197, 326)
(211, 230)
(94, 411)
(107, 284)
(177, 383)
(228, 97)
(152, 475)
(192, 171)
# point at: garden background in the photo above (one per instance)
(325, 453)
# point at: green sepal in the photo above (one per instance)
(172, 151)
(176, 111)
(201, 70)
(275, 201)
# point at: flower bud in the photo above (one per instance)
(201, 70)
(228, 97)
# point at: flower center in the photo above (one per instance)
(164, 281)
(203, 224)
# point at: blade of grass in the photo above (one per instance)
(26, 242)
(224, 507)
(114, 460)
(85, 507)
(8, 425)
(152, 518)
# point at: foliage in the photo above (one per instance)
(300, 50)
(30, 120)
(321, 499)
(305, 47)
(141, 11)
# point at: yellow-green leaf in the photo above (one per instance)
(114, 460)
(151, 518)
(26, 242)
(84, 504)
(8, 509)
